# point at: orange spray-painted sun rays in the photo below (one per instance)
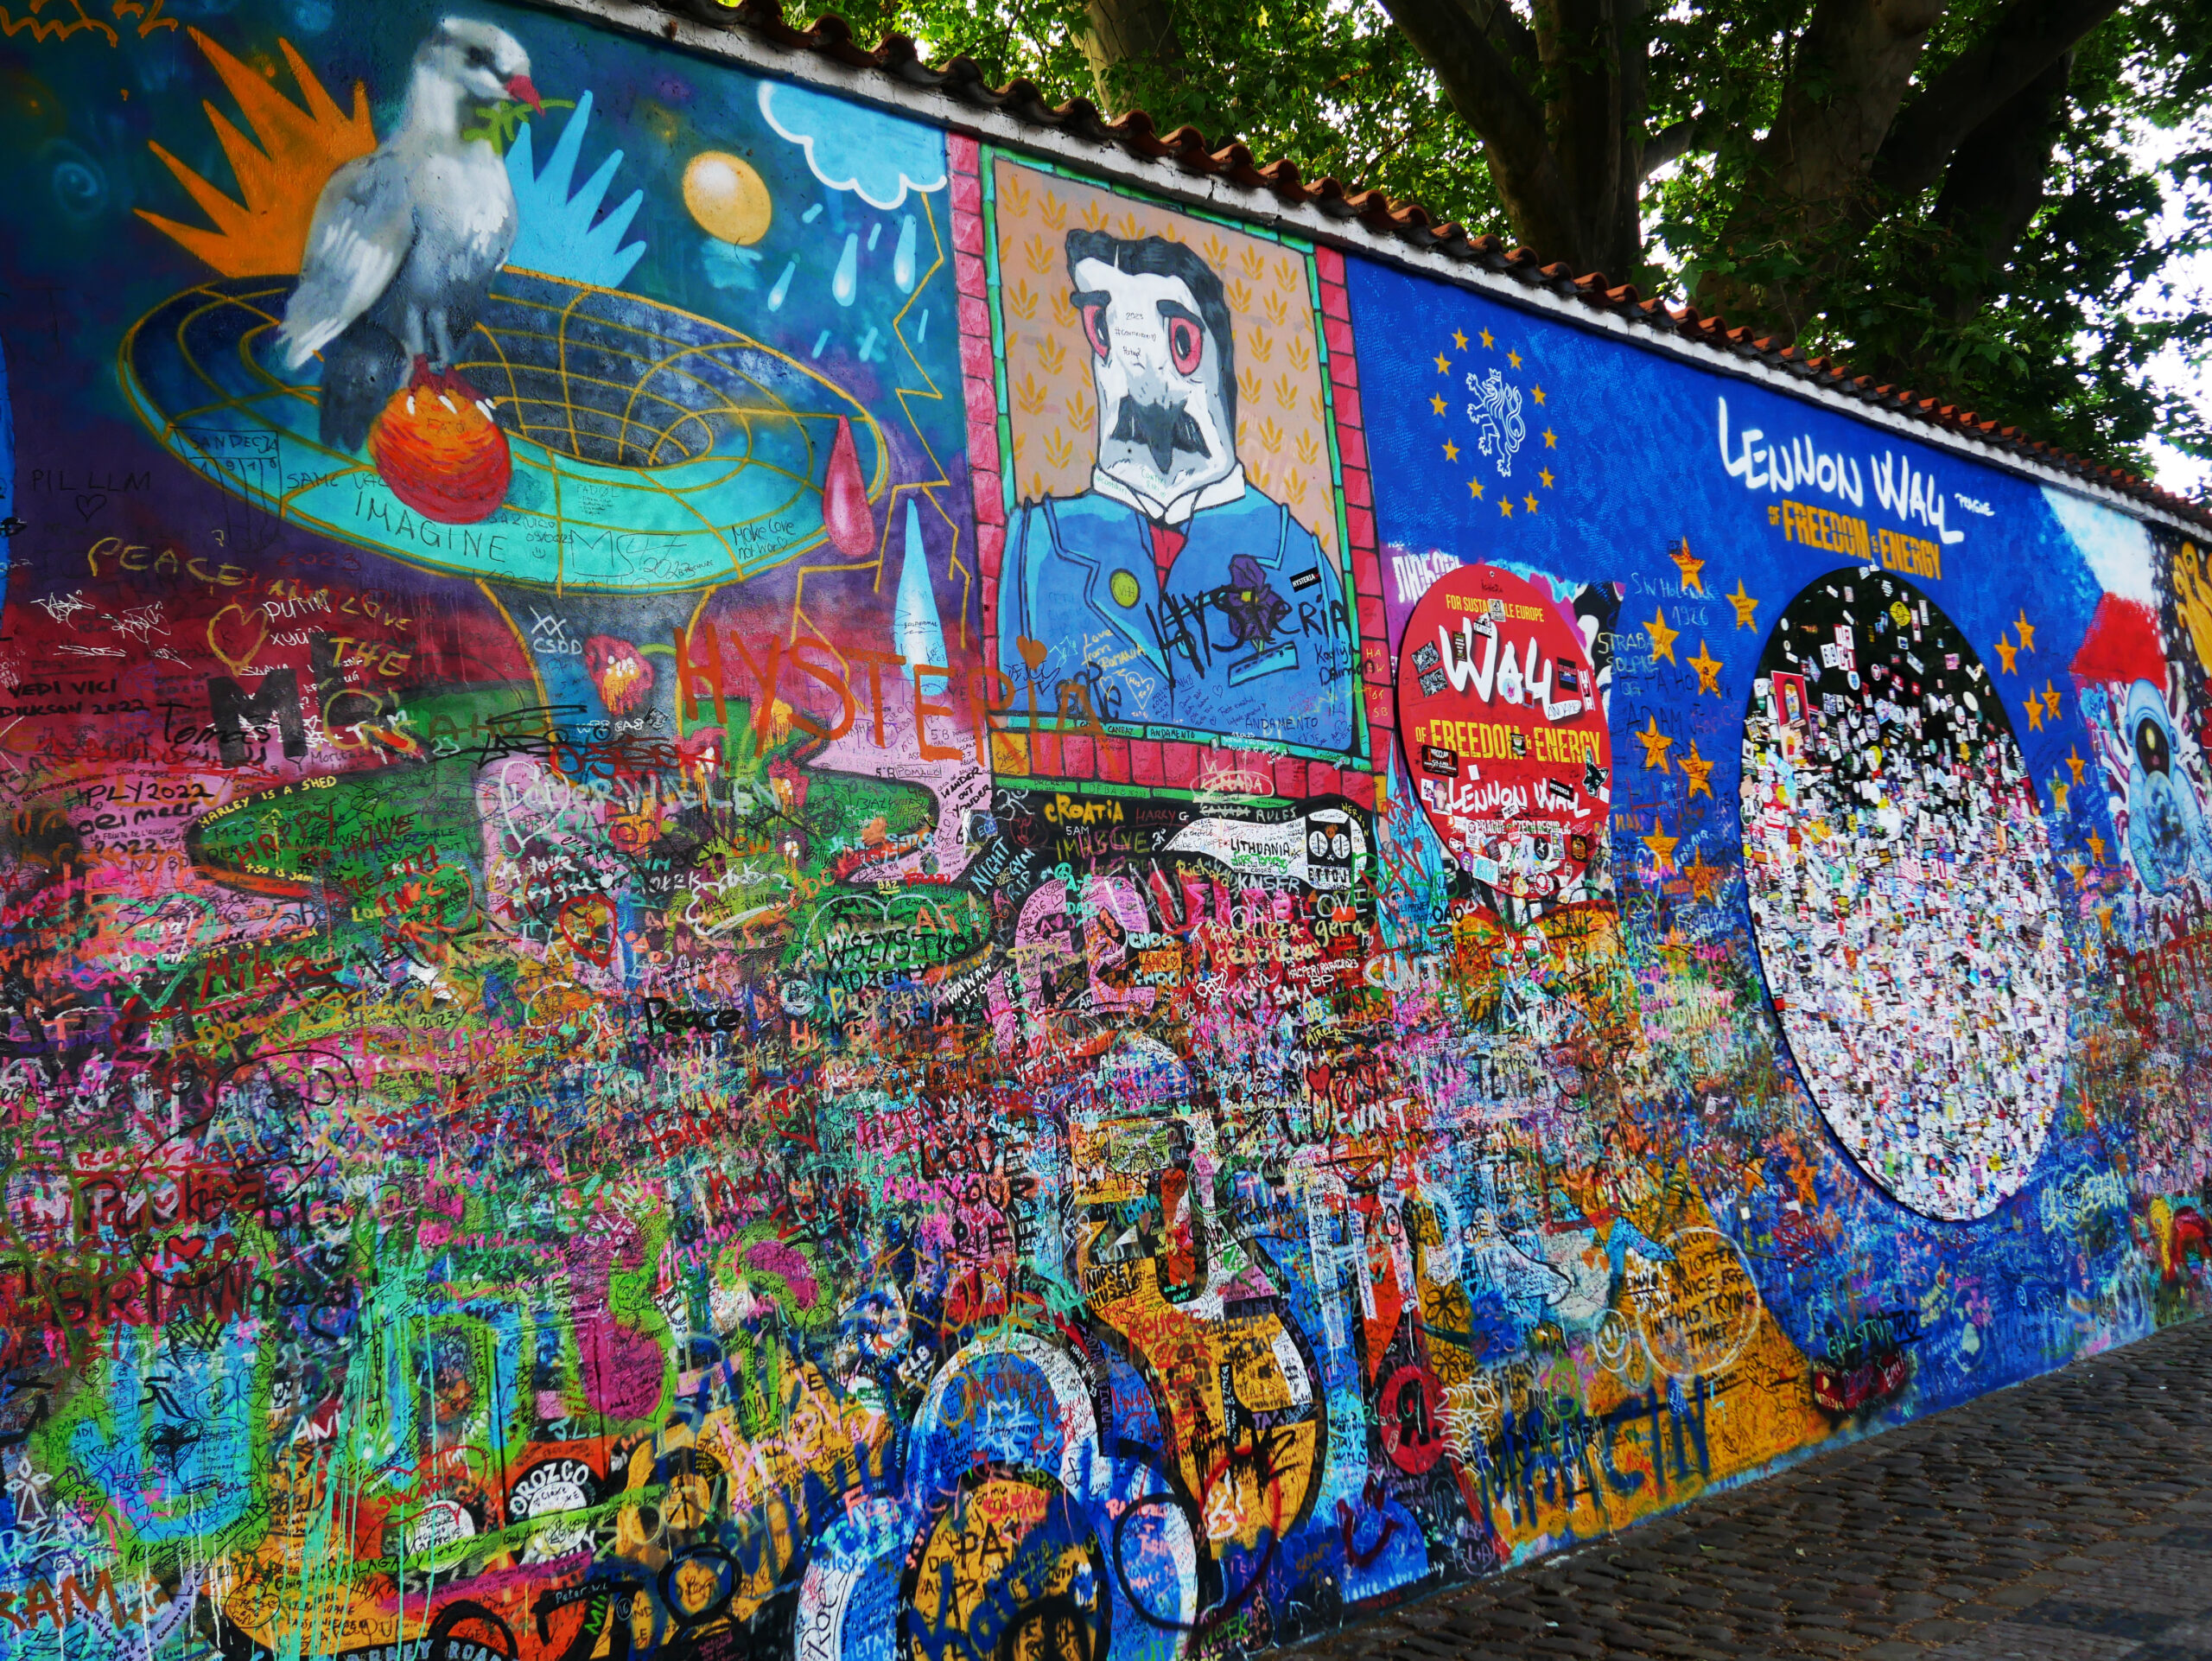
(264, 232)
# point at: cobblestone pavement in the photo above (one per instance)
(2068, 1519)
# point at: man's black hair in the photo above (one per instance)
(1157, 257)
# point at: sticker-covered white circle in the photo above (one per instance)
(1902, 894)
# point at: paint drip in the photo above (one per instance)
(844, 497)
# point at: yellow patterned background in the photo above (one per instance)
(1281, 415)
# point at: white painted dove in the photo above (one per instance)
(405, 239)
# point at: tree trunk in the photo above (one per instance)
(1852, 66)
(1132, 48)
(1594, 56)
(1569, 166)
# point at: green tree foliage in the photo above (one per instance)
(1983, 199)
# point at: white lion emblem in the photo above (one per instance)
(1497, 415)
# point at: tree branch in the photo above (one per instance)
(1995, 183)
(2027, 37)
(1480, 84)
(1852, 68)
(1477, 80)
(1509, 37)
(1674, 140)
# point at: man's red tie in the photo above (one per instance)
(1167, 542)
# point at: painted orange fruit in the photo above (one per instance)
(441, 455)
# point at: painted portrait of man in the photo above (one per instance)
(1176, 592)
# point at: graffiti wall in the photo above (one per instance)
(779, 884)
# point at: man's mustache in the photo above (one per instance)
(1163, 429)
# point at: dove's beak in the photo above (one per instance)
(520, 87)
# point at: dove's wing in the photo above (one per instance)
(363, 226)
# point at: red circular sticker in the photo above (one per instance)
(1497, 704)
